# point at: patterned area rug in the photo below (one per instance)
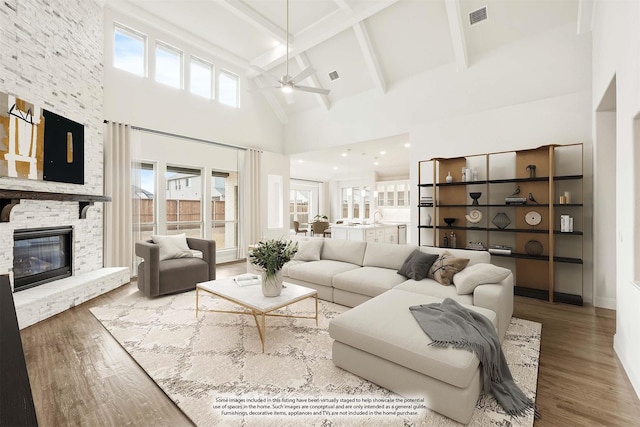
(213, 368)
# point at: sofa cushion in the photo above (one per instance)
(479, 274)
(385, 327)
(445, 266)
(417, 265)
(386, 255)
(475, 257)
(319, 272)
(172, 246)
(344, 250)
(309, 250)
(435, 289)
(369, 281)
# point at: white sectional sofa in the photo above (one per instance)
(352, 272)
(379, 340)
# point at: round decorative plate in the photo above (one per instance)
(533, 247)
(532, 218)
(474, 217)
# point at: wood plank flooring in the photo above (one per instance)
(81, 376)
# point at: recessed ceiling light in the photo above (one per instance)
(376, 163)
(300, 161)
(344, 154)
(383, 152)
(335, 168)
(407, 144)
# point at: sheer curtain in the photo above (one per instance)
(118, 214)
(250, 166)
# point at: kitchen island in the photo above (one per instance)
(380, 233)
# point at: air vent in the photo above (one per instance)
(478, 16)
(334, 75)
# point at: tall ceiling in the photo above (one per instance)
(371, 44)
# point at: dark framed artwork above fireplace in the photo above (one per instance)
(41, 255)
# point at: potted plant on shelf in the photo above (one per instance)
(270, 256)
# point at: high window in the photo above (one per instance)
(129, 50)
(201, 78)
(228, 89)
(168, 65)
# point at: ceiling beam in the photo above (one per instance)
(586, 10)
(303, 63)
(342, 4)
(271, 99)
(457, 34)
(370, 57)
(324, 30)
(246, 13)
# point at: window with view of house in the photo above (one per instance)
(168, 65)
(129, 50)
(228, 89)
(184, 204)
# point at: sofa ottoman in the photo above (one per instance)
(381, 341)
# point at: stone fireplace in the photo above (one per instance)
(41, 255)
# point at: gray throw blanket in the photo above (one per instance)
(450, 324)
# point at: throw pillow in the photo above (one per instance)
(417, 265)
(479, 274)
(174, 246)
(445, 267)
(308, 250)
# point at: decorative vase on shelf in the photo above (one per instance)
(449, 178)
(272, 284)
(427, 220)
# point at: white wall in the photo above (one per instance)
(616, 52)
(275, 164)
(143, 102)
(51, 55)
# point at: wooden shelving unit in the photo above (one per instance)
(558, 168)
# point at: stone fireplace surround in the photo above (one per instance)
(89, 279)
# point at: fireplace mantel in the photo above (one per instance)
(10, 198)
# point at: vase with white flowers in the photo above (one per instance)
(270, 256)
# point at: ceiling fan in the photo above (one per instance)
(287, 83)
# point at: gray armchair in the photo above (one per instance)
(169, 276)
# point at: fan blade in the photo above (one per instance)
(303, 75)
(267, 74)
(312, 89)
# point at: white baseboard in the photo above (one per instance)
(602, 302)
(634, 377)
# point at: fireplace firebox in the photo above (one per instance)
(41, 255)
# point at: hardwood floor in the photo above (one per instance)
(81, 376)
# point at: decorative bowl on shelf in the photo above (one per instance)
(449, 221)
(475, 196)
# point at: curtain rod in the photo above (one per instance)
(192, 138)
